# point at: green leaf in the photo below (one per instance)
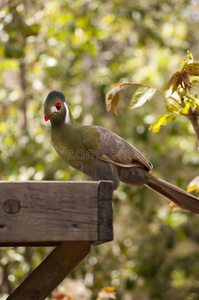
(173, 108)
(168, 91)
(142, 95)
(162, 120)
(189, 61)
(190, 56)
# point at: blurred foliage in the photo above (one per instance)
(81, 48)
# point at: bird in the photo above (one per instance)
(103, 155)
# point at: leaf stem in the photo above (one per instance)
(148, 86)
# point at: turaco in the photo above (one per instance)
(103, 155)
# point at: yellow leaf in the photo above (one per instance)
(192, 188)
(107, 292)
(112, 97)
(186, 109)
(115, 111)
(173, 207)
(115, 84)
(193, 185)
(62, 296)
(108, 289)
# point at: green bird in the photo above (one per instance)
(103, 155)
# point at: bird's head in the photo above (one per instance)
(56, 109)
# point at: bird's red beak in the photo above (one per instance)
(46, 117)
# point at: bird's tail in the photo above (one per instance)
(173, 193)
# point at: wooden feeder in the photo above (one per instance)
(69, 215)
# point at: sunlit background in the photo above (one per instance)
(81, 48)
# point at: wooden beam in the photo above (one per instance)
(50, 212)
(45, 278)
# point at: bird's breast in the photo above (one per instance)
(71, 148)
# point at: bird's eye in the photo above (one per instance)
(58, 105)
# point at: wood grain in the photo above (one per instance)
(49, 212)
(44, 279)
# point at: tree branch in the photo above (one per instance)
(193, 118)
(24, 98)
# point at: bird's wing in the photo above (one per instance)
(110, 147)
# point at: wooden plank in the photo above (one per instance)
(49, 212)
(44, 279)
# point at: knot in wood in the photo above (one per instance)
(11, 206)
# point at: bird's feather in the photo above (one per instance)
(112, 148)
(175, 194)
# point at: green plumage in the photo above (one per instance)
(68, 141)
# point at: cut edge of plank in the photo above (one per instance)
(105, 212)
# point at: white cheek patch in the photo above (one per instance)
(53, 109)
(67, 117)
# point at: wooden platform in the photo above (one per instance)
(71, 215)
